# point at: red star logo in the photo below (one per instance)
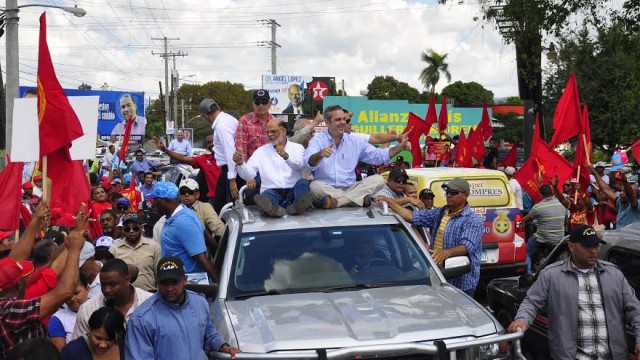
(320, 90)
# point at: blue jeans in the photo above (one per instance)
(533, 248)
(285, 197)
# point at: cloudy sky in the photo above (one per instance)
(352, 40)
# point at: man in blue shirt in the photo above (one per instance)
(455, 229)
(174, 323)
(149, 185)
(333, 156)
(627, 203)
(183, 233)
(181, 146)
(141, 163)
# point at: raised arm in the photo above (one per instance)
(174, 155)
(23, 247)
(603, 185)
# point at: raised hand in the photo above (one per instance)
(159, 144)
(405, 135)
(238, 157)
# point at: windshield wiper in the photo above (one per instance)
(358, 286)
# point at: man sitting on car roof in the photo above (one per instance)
(280, 162)
(333, 156)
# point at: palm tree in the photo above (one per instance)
(435, 65)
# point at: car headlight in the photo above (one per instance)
(493, 351)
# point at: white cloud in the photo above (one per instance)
(351, 40)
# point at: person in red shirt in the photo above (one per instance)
(100, 202)
(21, 318)
(204, 162)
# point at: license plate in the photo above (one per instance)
(489, 256)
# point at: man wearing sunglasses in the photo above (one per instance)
(455, 229)
(252, 132)
(394, 188)
(189, 194)
(139, 250)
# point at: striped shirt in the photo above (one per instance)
(464, 228)
(549, 214)
(593, 342)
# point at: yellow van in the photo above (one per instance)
(504, 249)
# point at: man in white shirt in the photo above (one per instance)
(224, 128)
(517, 189)
(280, 163)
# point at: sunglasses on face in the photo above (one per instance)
(452, 192)
(186, 191)
(258, 103)
(400, 180)
(131, 228)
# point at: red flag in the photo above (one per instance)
(528, 177)
(125, 141)
(567, 118)
(59, 124)
(462, 158)
(25, 215)
(10, 194)
(551, 163)
(583, 152)
(510, 158)
(635, 149)
(431, 114)
(418, 127)
(475, 144)
(443, 118)
(485, 123)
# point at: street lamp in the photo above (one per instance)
(13, 69)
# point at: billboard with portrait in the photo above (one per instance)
(114, 108)
(286, 91)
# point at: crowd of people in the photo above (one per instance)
(110, 280)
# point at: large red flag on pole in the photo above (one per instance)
(443, 118)
(582, 158)
(475, 145)
(59, 126)
(58, 123)
(10, 194)
(431, 117)
(567, 118)
(417, 127)
(528, 176)
(462, 158)
(635, 149)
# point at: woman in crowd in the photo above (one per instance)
(105, 339)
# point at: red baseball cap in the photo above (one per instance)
(27, 185)
(5, 234)
(37, 177)
(11, 272)
(106, 185)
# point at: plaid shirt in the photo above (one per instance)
(19, 321)
(251, 134)
(465, 229)
(593, 342)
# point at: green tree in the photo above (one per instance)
(467, 94)
(513, 100)
(84, 86)
(436, 64)
(389, 88)
(608, 77)
(511, 129)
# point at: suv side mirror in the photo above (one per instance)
(456, 266)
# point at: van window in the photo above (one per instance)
(485, 192)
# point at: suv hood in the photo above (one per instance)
(355, 318)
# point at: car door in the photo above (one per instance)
(628, 261)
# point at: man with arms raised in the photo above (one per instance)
(333, 156)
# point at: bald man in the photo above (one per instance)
(280, 163)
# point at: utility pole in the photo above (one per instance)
(272, 43)
(165, 55)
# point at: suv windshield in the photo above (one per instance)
(327, 259)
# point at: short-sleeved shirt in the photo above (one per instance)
(627, 214)
(62, 323)
(19, 321)
(386, 191)
(183, 236)
(549, 214)
(181, 147)
(251, 134)
(145, 256)
(207, 163)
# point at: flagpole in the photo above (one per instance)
(586, 152)
(575, 193)
(46, 184)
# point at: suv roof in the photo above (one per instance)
(317, 218)
(454, 172)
